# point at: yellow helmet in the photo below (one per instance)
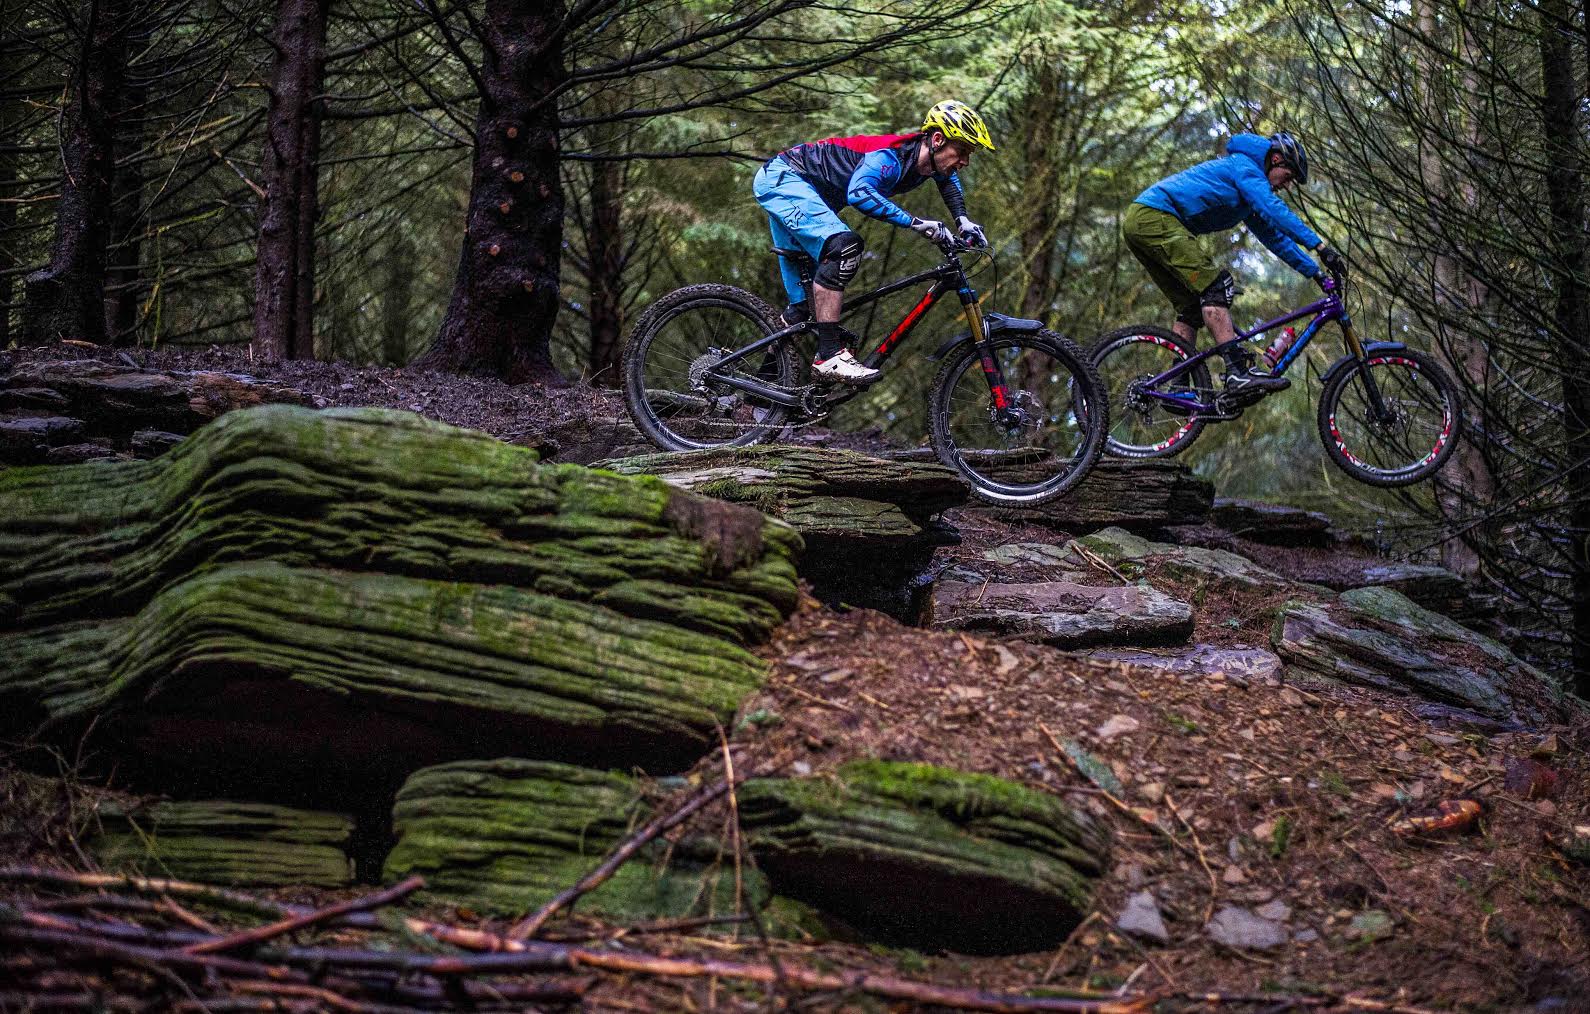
(959, 121)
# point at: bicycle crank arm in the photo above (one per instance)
(767, 392)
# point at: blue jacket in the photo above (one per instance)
(1215, 195)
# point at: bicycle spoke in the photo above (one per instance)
(1410, 431)
(1141, 425)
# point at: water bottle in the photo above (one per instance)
(1278, 348)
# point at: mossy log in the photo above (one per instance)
(384, 491)
(225, 842)
(927, 857)
(506, 836)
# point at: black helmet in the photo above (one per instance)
(1292, 154)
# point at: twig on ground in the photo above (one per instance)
(1214, 881)
(1114, 800)
(275, 929)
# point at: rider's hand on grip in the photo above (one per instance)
(971, 232)
(933, 232)
(1334, 262)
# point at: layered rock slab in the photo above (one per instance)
(1139, 495)
(927, 857)
(270, 676)
(1062, 613)
(868, 522)
(390, 492)
(111, 403)
(508, 835)
(225, 842)
(1378, 637)
(290, 592)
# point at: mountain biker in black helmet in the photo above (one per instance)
(1161, 226)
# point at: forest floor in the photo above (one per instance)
(1233, 792)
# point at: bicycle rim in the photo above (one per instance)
(1043, 442)
(1142, 427)
(1410, 439)
(681, 386)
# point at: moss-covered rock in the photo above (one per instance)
(834, 494)
(1379, 637)
(868, 522)
(927, 857)
(224, 842)
(1130, 494)
(274, 672)
(390, 492)
(289, 593)
(508, 835)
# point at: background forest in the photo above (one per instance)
(501, 188)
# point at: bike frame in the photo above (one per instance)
(1324, 310)
(946, 277)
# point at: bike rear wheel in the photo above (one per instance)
(673, 387)
(1410, 437)
(1046, 438)
(1143, 427)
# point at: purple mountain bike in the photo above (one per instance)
(1388, 415)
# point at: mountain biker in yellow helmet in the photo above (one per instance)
(803, 188)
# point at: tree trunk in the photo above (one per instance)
(126, 197)
(505, 295)
(1571, 314)
(1042, 221)
(67, 298)
(284, 276)
(10, 116)
(1467, 487)
(605, 247)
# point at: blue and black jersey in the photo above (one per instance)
(865, 171)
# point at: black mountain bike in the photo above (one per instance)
(1388, 415)
(1016, 409)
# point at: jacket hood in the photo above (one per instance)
(1254, 146)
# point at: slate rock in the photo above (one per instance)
(1241, 664)
(27, 439)
(1273, 524)
(153, 443)
(1118, 492)
(1239, 928)
(1141, 918)
(1378, 637)
(1215, 569)
(1062, 613)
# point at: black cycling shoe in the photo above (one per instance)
(1242, 380)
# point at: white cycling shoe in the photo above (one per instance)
(845, 369)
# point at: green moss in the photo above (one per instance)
(223, 842)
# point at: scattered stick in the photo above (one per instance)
(276, 929)
(825, 702)
(1097, 562)
(1214, 881)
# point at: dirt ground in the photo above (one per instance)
(1234, 792)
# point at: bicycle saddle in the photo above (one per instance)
(798, 256)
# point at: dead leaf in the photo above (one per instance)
(1530, 778)
(1449, 816)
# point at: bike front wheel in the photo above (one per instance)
(1391, 419)
(1042, 441)
(1142, 426)
(676, 389)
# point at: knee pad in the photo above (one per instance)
(1220, 292)
(840, 259)
(1191, 316)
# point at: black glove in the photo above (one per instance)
(934, 232)
(1334, 262)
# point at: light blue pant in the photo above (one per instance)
(796, 216)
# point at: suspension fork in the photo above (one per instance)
(1355, 347)
(998, 392)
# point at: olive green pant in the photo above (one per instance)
(1173, 257)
